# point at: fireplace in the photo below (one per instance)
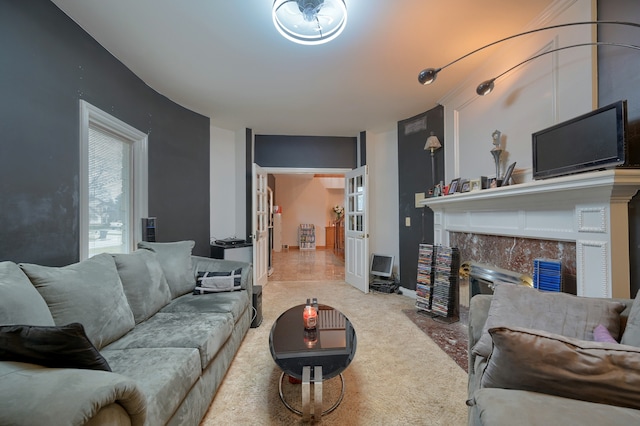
(581, 220)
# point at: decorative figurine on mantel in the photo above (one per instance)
(496, 152)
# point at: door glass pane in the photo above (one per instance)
(109, 193)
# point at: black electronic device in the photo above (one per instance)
(593, 141)
(229, 241)
(149, 229)
(257, 306)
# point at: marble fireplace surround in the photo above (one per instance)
(587, 211)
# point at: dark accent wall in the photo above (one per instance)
(618, 78)
(306, 151)
(363, 149)
(47, 64)
(414, 176)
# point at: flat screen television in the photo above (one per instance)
(381, 265)
(593, 141)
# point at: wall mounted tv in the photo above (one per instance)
(593, 141)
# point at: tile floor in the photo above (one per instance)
(307, 265)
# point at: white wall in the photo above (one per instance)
(222, 190)
(228, 183)
(382, 158)
(543, 92)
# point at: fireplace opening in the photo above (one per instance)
(484, 278)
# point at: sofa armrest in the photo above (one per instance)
(33, 394)
(201, 263)
(478, 314)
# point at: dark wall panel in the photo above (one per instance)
(47, 65)
(414, 176)
(618, 78)
(306, 151)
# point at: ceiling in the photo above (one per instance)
(224, 59)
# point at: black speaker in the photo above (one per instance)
(257, 306)
(149, 229)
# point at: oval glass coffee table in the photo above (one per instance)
(327, 351)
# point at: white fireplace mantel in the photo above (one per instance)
(589, 209)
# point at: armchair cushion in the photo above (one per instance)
(631, 335)
(560, 313)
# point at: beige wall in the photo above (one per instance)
(304, 199)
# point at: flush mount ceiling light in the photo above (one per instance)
(310, 21)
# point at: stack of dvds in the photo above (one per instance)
(424, 286)
(445, 287)
(547, 275)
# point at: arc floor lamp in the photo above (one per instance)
(428, 75)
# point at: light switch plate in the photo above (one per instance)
(419, 197)
(407, 221)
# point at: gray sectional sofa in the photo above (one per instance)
(543, 359)
(167, 349)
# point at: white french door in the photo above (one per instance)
(356, 229)
(260, 225)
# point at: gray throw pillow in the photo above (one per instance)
(559, 313)
(631, 335)
(144, 283)
(88, 292)
(175, 259)
(21, 302)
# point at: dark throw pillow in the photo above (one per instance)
(64, 346)
(216, 282)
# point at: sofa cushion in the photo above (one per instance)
(89, 292)
(544, 362)
(175, 259)
(165, 376)
(206, 332)
(631, 335)
(144, 283)
(234, 303)
(21, 302)
(560, 313)
(506, 407)
(218, 282)
(52, 346)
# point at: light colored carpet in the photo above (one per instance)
(399, 376)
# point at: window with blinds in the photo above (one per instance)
(113, 187)
(109, 192)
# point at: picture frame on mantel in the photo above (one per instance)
(453, 186)
(508, 173)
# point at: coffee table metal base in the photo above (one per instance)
(307, 384)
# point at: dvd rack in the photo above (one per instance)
(307, 236)
(424, 285)
(437, 289)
